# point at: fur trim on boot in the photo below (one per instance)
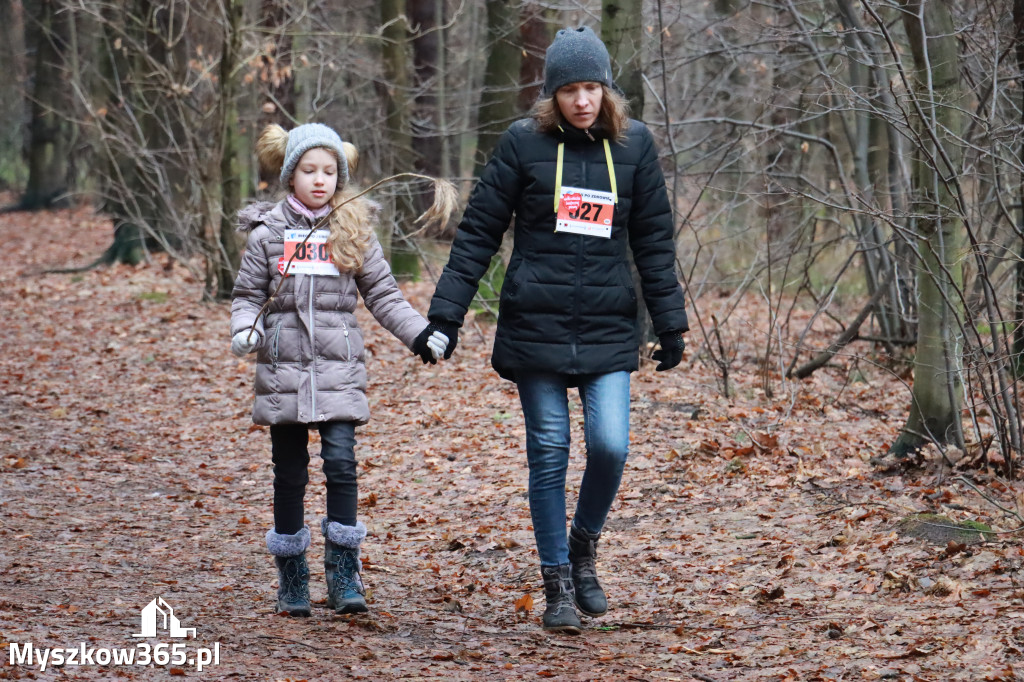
(288, 545)
(341, 535)
(292, 571)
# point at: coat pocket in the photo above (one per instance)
(275, 345)
(513, 279)
(626, 277)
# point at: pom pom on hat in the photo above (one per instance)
(576, 55)
(310, 136)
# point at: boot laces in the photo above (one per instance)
(563, 601)
(292, 578)
(347, 575)
(559, 588)
(584, 565)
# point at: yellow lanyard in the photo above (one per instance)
(611, 172)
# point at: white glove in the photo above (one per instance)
(437, 343)
(242, 343)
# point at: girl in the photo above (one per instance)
(583, 183)
(310, 369)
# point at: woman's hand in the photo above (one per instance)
(671, 352)
(439, 338)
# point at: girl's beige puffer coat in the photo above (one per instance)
(310, 356)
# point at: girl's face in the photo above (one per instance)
(580, 103)
(315, 178)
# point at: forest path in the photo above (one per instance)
(750, 539)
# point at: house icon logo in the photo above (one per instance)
(169, 622)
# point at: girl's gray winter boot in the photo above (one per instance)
(559, 613)
(345, 591)
(590, 597)
(292, 571)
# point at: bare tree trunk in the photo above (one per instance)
(13, 102)
(536, 30)
(48, 145)
(277, 76)
(1018, 334)
(936, 398)
(501, 78)
(426, 138)
(394, 92)
(622, 32)
(427, 17)
(229, 250)
(878, 146)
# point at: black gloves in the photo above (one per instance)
(671, 352)
(438, 337)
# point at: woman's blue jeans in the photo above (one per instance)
(544, 397)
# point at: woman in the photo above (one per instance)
(583, 182)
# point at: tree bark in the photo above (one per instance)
(936, 396)
(49, 127)
(1018, 334)
(13, 102)
(877, 145)
(394, 92)
(277, 76)
(228, 248)
(426, 137)
(501, 78)
(536, 31)
(622, 32)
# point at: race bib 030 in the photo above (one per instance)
(310, 258)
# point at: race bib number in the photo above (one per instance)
(311, 256)
(585, 211)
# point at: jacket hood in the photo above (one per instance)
(254, 214)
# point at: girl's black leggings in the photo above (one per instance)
(291, 474)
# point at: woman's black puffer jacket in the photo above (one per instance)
(567, 303)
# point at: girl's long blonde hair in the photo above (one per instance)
(351, 222)
(613, 117)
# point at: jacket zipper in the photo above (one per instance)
(348, 343)
(579, 282)
(312, 348)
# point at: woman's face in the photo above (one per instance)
(315, 178)
(580, 103)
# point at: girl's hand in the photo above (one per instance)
(436, 340)
(244, 342)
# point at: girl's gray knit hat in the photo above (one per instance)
(576, 55)
(310, 136)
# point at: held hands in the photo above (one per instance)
(438, 338)
(244, 343)
(671, 352)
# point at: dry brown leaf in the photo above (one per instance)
(524, 604)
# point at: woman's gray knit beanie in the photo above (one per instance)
(310, 136)
(576, 55)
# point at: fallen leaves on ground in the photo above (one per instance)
(750, 538)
